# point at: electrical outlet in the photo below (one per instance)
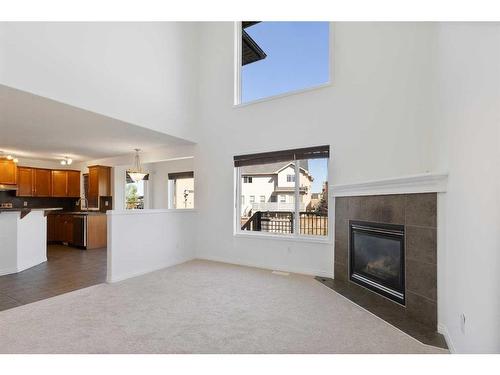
(106, 203)
(25, 204)
(462, 322)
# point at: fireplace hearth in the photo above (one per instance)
(376, 258)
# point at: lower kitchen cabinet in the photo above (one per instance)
(85, 231)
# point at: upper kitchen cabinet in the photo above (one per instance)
(73, 183)
(34, 182)
(8, 172)
(59, 183)
(25, 182)
(43, 182)
(65, 183)
(99, 184)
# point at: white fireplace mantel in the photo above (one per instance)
(421, 183)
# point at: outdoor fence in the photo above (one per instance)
(310, 223)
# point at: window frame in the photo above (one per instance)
(172, 178)
(237, 71)
(296, 236)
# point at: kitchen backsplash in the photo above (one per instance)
(68, 204)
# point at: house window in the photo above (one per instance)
(135, 193)
(281, 57)
(247, 179)
(181, 190)
(297, 210)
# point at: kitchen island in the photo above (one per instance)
(23, 239)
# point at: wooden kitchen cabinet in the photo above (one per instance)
(33, 182)
(99, 184)
(25, 182)
(87, 231)
(65, 183)
(63, 231)
(59, 183)
(8, 172)
(43, 182)
(40, 182)
(73, 184)
(51, 228)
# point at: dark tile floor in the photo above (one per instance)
(66, 269)
(395, 316)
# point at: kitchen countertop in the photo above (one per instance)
(81, 213)
(30, 209)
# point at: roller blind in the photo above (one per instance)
(317, 152)
(174, 176)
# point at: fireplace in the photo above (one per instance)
(376, 258)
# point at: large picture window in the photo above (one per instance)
(281, 57)
(293, 189)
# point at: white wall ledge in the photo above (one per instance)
(421, 183)
(149, 211)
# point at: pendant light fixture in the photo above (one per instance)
(136, 173)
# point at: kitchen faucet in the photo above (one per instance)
(86, 203)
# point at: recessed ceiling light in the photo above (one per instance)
(63, 162)
(15, 160)
(9, 157)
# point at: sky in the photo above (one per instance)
(297, 58)
(318, 168)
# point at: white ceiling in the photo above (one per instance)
(35, 127)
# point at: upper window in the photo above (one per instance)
(282, 57)
(295, 203)
(181, 190)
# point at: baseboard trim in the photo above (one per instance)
(302, 271)
(112, 280)
(442, 329)
(8, 271)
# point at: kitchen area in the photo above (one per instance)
(53, 229)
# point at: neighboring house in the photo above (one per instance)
(270, 187)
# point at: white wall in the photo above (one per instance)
(142, 241)
(374, 116)
(141, 73)
(468, 129)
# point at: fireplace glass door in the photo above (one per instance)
(377, 258)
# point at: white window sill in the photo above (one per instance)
(284, 237)
(284, 95)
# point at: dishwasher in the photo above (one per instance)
(80, 230)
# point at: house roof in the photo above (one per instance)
(250, 50)
(272, 168)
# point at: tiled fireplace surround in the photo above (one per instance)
(417, 212)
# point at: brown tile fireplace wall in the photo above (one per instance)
(417, 212)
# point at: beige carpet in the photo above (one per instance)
(202, 307)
